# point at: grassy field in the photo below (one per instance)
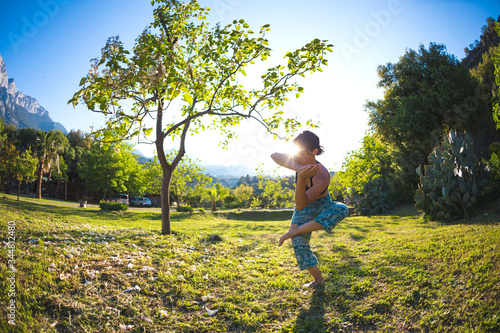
(85, 270)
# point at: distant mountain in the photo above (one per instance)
(228, 171)
(21, 110)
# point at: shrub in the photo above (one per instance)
(451, 184)
(113, 206)
(201, 210)
(492, 188)
(375, 198)
(185, 209)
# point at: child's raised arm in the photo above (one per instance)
(286, 161)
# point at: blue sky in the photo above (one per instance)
(47, 46)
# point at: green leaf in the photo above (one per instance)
(188, 98)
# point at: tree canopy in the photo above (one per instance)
(112, 170)
(427, 93)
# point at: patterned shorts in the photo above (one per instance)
(326, 212)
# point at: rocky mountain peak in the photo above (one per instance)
(4, 77)
(22, 110)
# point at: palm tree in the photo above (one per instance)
(49, 146)
(216, 193)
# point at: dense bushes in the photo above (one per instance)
(113, 206)
(451, 184)
(185, 209)
(374, 198)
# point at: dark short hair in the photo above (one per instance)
(309, 140)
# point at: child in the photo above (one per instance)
(314, 210)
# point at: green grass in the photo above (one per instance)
(78, 269)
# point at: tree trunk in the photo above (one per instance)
(66, 189)
(58, 188)
(39, 174)
(165, 202)
(167, 168)
(18, 189)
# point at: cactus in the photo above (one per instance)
(451, 184)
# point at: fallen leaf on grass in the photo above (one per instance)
(181, 278)
(212, 312)
(163, 313)
(108, 308)
(205, 277)
(91, 273)
(136, 287)
(64, 276)
(126, 327)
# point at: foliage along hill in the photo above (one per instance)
(21, 110)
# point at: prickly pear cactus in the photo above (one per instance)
(450, 185)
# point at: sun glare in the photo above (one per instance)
(290, 149)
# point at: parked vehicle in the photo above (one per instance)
(123, 198)
(140, 202)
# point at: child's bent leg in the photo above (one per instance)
(303, 254)
(299, 230)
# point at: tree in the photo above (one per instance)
(216, 193)
(496, 95)
(489, 38)
(360, 166)
(185, 179)
(8, 156)
(109, 169)
(49, 147)
(183, 70)
(426, 94)
(79, 142)
(243, 194)
(3, 135)
(25, 166)
(276, 191)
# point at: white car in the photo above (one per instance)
(140, 202)
(123, 198)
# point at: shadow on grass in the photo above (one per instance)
(312, 320)
(257, 215)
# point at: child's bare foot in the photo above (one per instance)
(290, 233)
(314, 284)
